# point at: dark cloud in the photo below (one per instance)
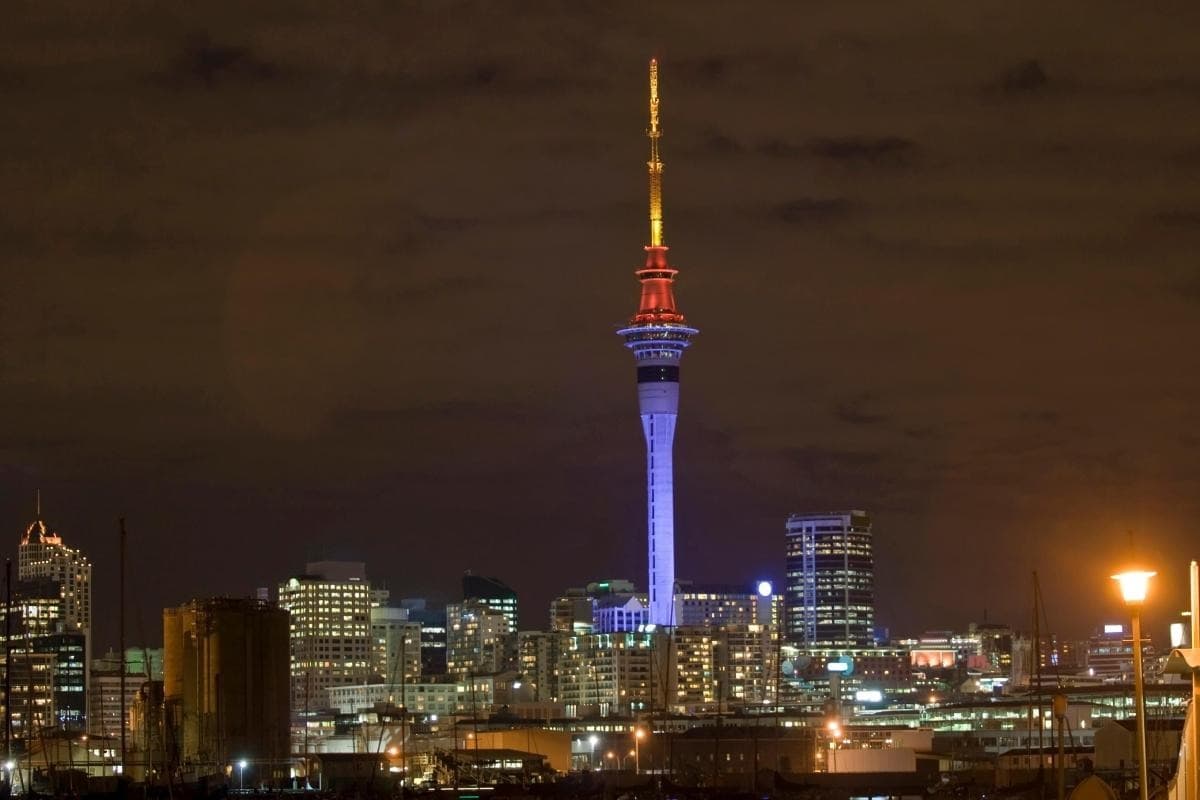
(890, 150)
(330, 280)
(703, 71)
(856, 411)
(1044, 417)
(848, 150)
(813, 211)
(213, 63)
(1189, 288)
(1179, 218)
(1023, 78)
(721, 144)
(778, 148)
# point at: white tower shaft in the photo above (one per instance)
(659, 402)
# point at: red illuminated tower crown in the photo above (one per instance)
(658, 330)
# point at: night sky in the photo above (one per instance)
(288, 281)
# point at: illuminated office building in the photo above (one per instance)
(830, 593)
(330, 630)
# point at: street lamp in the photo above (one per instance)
(592, 740)
(242, 775)
(638, 735)
(1134, 585)
(610, 755)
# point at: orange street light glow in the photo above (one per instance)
(1134, 585)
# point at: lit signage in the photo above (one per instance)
(868, 696)
(1177, 638)
(842, 664)
(933, 659)
(1114, 628)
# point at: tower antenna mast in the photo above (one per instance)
(655, 164)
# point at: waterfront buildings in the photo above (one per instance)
(658, 334)
(1110, 654)
(330, 629)
(830, 592)
(226, 686)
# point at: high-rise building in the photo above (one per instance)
(830, 580)
(330, 608)
(612, 673)
(45, 561)
(39, 627)
(537, 659)
(42, 555)
(747, 664)
(695, 668)
(658, 334)
(479, 640)
(226, 686)
(491, 593)
(433, 633)
(571, 612)
(395, 645)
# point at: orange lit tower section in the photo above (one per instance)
(658, 334)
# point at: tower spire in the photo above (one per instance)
(655, 164)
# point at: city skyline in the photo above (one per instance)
(282, 300)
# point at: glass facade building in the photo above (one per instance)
(830, 593)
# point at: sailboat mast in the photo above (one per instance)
(121, 637)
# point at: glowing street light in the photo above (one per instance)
(242, 775)
(638, 735)
(593, 740)
(1134, 587)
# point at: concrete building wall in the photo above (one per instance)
(226, 684)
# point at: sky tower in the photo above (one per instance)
(658, 334)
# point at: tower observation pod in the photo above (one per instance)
(658, 334)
